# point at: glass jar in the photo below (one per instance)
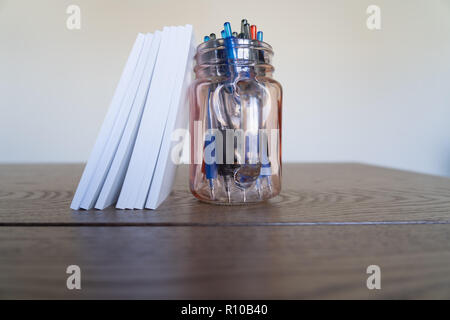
(235, 123)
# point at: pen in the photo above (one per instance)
(210, 169)
(260, 36)
(243, 23)
(246, 31)
(253, 32)
(229, 43)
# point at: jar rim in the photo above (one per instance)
(218, 44)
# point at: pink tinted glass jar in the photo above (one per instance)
(235, 124)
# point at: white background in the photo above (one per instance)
(350, 94)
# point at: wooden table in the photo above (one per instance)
(315, 240)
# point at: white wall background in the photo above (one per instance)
(350, 94)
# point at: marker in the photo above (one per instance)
(206, 39)
(260, 36)
(222, 34)
(235, 34)
(241, 36)
(253, 32)
(212, 36)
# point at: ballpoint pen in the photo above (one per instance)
(243, 23)
(253, 32)
(210, 168)
(231, 55)
(246, 31)
(260, 36)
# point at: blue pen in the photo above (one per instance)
(260, 36)
(231, 53)
(210, 169)
(206, 39)
(229, 43)
(227, 29)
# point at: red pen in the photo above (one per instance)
(253, 32)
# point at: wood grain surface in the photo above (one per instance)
(311, 193)
(291, 262)
(313, 241)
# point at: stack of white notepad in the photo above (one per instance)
(130, 163)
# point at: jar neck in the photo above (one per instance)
(225, 70)
(251, 58)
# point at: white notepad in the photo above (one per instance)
(131, 160)
(154, 132)
(164, 174)
(114, 180)
(104, 163)
(151, 129)
(109, 121)
(149, 161)
(156, 89)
